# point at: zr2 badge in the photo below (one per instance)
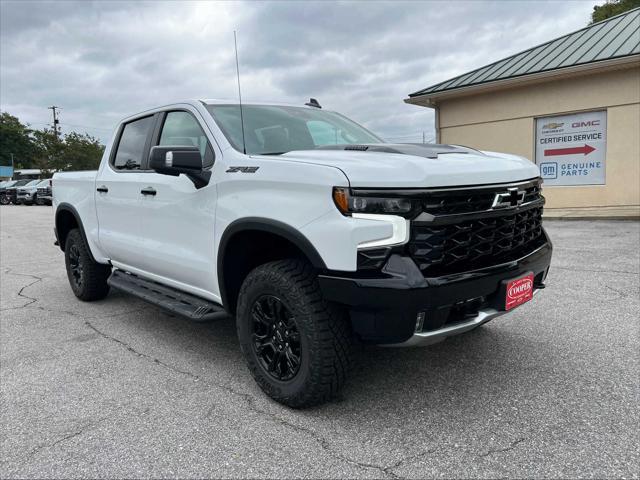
(242, 169)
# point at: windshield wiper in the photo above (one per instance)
(273, 153)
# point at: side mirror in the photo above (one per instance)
(174, 160)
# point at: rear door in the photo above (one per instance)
(117, 194)
(177, 220)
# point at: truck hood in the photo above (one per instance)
(418, 165)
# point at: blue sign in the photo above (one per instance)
(549, 170)
(6, 171)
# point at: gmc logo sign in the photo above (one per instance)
(590, 123)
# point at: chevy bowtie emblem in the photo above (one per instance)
(511, 198)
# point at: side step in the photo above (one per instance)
(170, 299)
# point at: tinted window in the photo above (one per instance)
(132, 143)
(182, 129)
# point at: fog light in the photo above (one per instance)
(420, 321)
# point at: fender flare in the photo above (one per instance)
(67, 207)
(264, 225)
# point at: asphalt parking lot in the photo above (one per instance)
(117, 388)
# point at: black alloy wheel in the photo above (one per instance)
(275, 337)
(88, 279)
(75, 266)
(297, 346)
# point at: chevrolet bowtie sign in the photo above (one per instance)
(571, 149)
(511, 198)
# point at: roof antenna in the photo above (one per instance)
(313, 103)
(244, 145)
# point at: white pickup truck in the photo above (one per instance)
(308, 229)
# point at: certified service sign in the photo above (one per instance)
(571, 149)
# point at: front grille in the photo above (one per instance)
(463, 233)
(453, 202)
(43, 191)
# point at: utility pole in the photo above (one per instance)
(56, 121)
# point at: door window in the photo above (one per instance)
(182, 129)
(132, 143)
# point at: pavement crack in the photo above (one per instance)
(21, 291)
(319, 439)
(511, 446)
(75, 433)
(389, 469)
(615, 290)
(250, 400)
(143, 355)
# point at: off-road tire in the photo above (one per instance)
(325, 334)
(92, 284)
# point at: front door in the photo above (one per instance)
(176, 219)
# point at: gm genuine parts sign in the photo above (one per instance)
(571, 149)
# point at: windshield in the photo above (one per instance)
(43, 183)
(32, 183)
(272, 130)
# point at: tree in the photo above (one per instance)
(48, 151)
(80, 152)
(16, 141)
(43, 149)
(612, 8)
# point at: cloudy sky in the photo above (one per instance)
(100, 61)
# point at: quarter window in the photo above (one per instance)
(132, 144)
(182, 129)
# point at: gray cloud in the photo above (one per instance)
(104, 60)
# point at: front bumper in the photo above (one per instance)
(384, 307)
(24, 197)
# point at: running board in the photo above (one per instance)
(170, 299)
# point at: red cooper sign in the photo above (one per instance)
(519, 291)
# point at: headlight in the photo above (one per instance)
(348, 204)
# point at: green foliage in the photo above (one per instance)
(80, 152)
(44, 150)
(612, 8)
(16, 139)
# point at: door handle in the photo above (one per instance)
(102, 189)
(148, 191)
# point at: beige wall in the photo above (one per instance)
(504, 120)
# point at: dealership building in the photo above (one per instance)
(572, 105)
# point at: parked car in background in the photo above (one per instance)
(28, 194)
(8, 192)
(44, 196)
(25, 193)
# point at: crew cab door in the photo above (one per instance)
(177, 220)
(117, 194)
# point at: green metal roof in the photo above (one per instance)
(615, 37)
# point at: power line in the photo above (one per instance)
(90, 127)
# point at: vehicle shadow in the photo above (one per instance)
(450, 375)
